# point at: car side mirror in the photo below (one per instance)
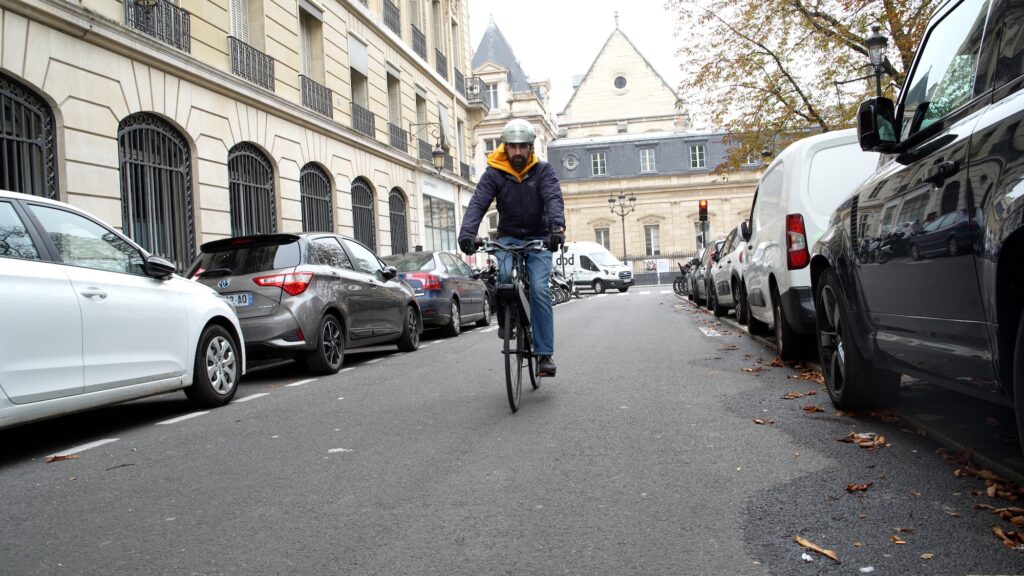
(389, 272)
(876, 125)
(158, 267)
(714, 256)
(745, 231)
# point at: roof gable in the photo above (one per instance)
(494, 49)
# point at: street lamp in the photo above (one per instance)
(876, 44)
(438, 153)
(621, 208)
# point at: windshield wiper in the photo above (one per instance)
(213, 272)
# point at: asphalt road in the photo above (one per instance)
(641, 457)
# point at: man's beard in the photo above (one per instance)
(518, 162)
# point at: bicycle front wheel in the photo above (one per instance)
(513, 366)
(532, 362)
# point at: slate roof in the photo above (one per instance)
(494, 48)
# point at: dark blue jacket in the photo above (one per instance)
(525, 209)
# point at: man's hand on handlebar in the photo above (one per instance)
(469, 245)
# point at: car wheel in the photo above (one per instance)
(1018, 381)
(216, 370)
(717, 308)
(851, 382)
(455, 326)
(410, 339)
(598, 287)
(486, 320)
(914, 254)
(739, 295)
(952, 247)
(786, 340)
(624, 288)
(329, 354)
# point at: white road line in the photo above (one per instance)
(349, 369)
(300, 383)
(645, 292)
(251, 397)
(666, 291)
(709, 331)
(181, 418)
(372, 361)
(84, 447)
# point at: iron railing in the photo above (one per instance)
(425, 150)
(460, 82)
(399, 226)
(363, 120)
(399, 137)
(315, 195)
(449, 163)
(475, 92)
(392, 17)
(28, 159)
(419, 42)
(464, 170)
(251, 64)
(317, 97)
(442, 64)
(164, 21)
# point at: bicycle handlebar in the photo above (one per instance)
(491, 246)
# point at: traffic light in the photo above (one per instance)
(702, 206)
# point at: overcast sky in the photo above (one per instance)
(558, 39)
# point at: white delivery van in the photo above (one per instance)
(792, 205)
(593, 266)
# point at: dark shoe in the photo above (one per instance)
(547, 366)
(501, 333)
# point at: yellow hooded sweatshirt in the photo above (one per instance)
(499, 161)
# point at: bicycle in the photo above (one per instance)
(514, 309)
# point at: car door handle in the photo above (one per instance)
(941, 170)
(94, 293)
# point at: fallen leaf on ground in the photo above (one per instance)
(793, 394)
(907, 530)
(61, 457)
(897, 540)
(858, 544)
(778, 362)
(1011, 539)
(815, 548)
(754, 370)
(811, 409)
(763, 421)
(927, 556)
(859, 487)
(810, 375)
(729, 347)
(915, 493)
(868, 440)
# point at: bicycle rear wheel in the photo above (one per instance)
(513, 365)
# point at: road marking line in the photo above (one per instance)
(251, 397)
(84, 447)
(645, 292)
(372, 361)
(709, 331)
(336, 450)
(666, 291)
(350, 368)
(300, 383)
(181, 418)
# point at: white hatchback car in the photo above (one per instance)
(87, 318)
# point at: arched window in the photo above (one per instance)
(362, 214)
(315, 193)
(27, 151)
(399, 222)
(251, 190)
(156, 187)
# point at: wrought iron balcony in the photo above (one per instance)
(317, 97)
(425, 150)
(460, 82)
(475, 92)
(251, 64)
(464, 170)
(164, 21)
(399, 137)
(442, 64)
(392, 17)
(449, 163)
(363, 120)
(419, 42)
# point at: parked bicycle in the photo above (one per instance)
(514, 310)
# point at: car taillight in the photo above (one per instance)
(198, 273)
(797, 255)
(292, 283)
(427, 281)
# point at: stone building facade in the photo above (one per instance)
(190, 120)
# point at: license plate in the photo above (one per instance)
(239, 299)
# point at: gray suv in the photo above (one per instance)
(310, 296)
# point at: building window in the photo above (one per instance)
(251, 191)
(620, 82)
(315, 195)
(652, 240)
(571, 161)
(491, 95)
(647, 160)
(156, 188)
(601, 236)
(697, 159)
(399, 222)
(491, 144)
(439, 221)
(27, 146)
(599, 166)
(363, 217)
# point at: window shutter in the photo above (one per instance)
(304, 44)
(240, 20)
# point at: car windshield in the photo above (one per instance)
(249, 258)
(411, 262)
(604, 259)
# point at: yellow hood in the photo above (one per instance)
(499, 161)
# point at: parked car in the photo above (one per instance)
(92, 319)
(946, 235)
(726, 278)
(310, 296)
(449, 293)
(792, 204)
(699, 276)
(951, 148)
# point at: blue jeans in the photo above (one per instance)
(542, 315)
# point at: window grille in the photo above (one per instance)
(315, 193)
(164, 21)
(251, 191)
(156, 188)
(399, 223)
(27, 146)
(363, 214)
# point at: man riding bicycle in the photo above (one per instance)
(530, 207)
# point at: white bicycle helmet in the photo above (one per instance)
(518, 131)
